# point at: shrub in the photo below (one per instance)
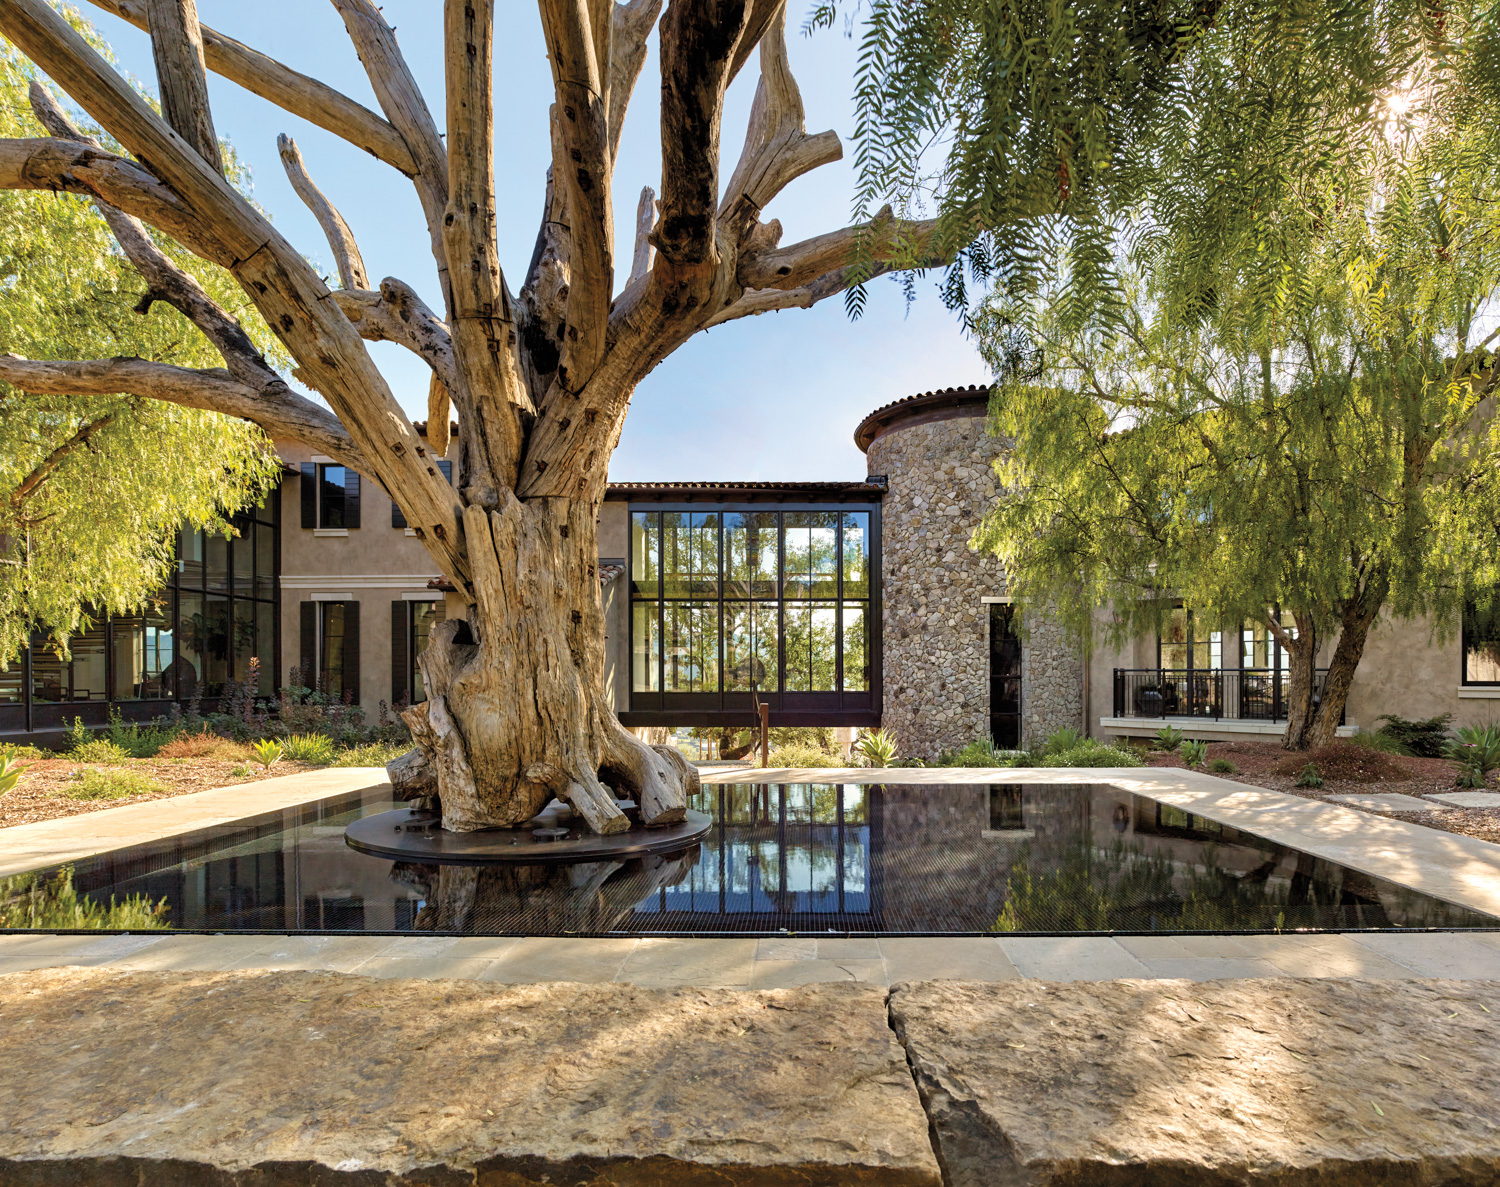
(1345, 762)
(9, 750)
(79, 734)
(1066, 738)
(313, 748)
(50, 903)
(1425, 739)
(1222, 766)
(877, 748)
(374, 754)
(1168, 738)
(1091, 754)
(1477, 752)
(10, 774)
(136, 740)
(243, 771)
(202, 745)
(94, 784)
(98, 750)
(801, 756)
(1194, 752)
(267, 752)
(1383, 742)
(1310, 776)
(979, 753)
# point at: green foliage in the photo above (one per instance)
(1194, 752)
(1168, 738)
(1310, 776)
(91, 783)
(12, 750)
(10, 773)
(1427, 738)
(1476, 752)
(877, 748)
(1091, 753)
(311, 748)
(1222, 766)
(374, 754)
(243, 771)
(1066, 738)
(1378, 740)
(979, 753)
(267, 752)
(801, 756)
(98, 750)
(79, 734)
(136, 740)
(819, 737)
(91, 530)
(47, 903)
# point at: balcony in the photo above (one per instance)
(1235, 700)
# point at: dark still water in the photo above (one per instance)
(806, 858)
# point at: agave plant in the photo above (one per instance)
(267, 752)
(1063, 740)
(10, 773)
(1168, 738)
(1194, 752)
(877, 748)
(1476, 750)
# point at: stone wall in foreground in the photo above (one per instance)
(936, 631)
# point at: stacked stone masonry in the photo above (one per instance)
(936, 622)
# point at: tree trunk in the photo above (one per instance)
(1354, 629)
(516, 712)
(1303, 651)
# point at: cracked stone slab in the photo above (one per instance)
(1386, 801)
(281, 1078)
(1281, 1081)
(1468, 799)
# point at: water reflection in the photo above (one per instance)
(811, 858)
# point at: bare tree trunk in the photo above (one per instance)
(1359, 615)
(516, 712)
(1303, 650)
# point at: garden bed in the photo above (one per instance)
(1363, 770)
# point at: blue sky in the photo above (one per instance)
(770, 397)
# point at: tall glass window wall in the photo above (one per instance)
(218, 610)
(728, 605)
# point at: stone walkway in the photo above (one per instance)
(781, 963)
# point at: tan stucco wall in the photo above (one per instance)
(614, 544)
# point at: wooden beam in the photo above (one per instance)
(181, 81)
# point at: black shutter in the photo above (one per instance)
(447, 468)
(309, 645)
(351, 499)
(351, 652)
(397, 519)
(309, 495)
(400, 671)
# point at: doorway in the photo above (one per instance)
(1005, 677)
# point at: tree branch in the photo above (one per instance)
(76, 167)
(401, 100)
(895, 245)
(645, 219)
(494, 404)
(632, 24)
(581, 172)
(213, 390)
(350, 263)
(44, 469)
(397, 314)
(289, 295)
(289, 90)
(181, 82)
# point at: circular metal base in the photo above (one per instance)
(408, 834)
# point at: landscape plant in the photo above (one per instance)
(1221, 766)
(309, 748)
(372, 754)
(538, 374)
(1476, 752)
(801, 756)
(267, 752)
(1090, 753)
(877, 747)
(41, 901)
(97, 750)
(1425, 738)
(93, 783)
(10, 773)
(1194, 752)
(1310, 776)
(1168, 738)
(1067, 738)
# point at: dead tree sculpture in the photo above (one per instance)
(539, 381)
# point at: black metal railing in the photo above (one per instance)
(1243, 694)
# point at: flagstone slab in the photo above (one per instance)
(280, 1078)
(1168, 1083)
(1468, 799)
(1387, 801)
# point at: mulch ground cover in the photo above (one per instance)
(1351, 769)
(44, 790)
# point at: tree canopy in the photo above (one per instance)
(93, 489)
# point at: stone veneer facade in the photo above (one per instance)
(936, 622)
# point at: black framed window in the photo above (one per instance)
(728, 600)
(411, 624)
(1186, 644)
(331, 480)
(1481, 644)
(1261, 650)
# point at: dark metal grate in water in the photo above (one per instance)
(805, 859)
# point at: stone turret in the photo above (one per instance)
(938, 460)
